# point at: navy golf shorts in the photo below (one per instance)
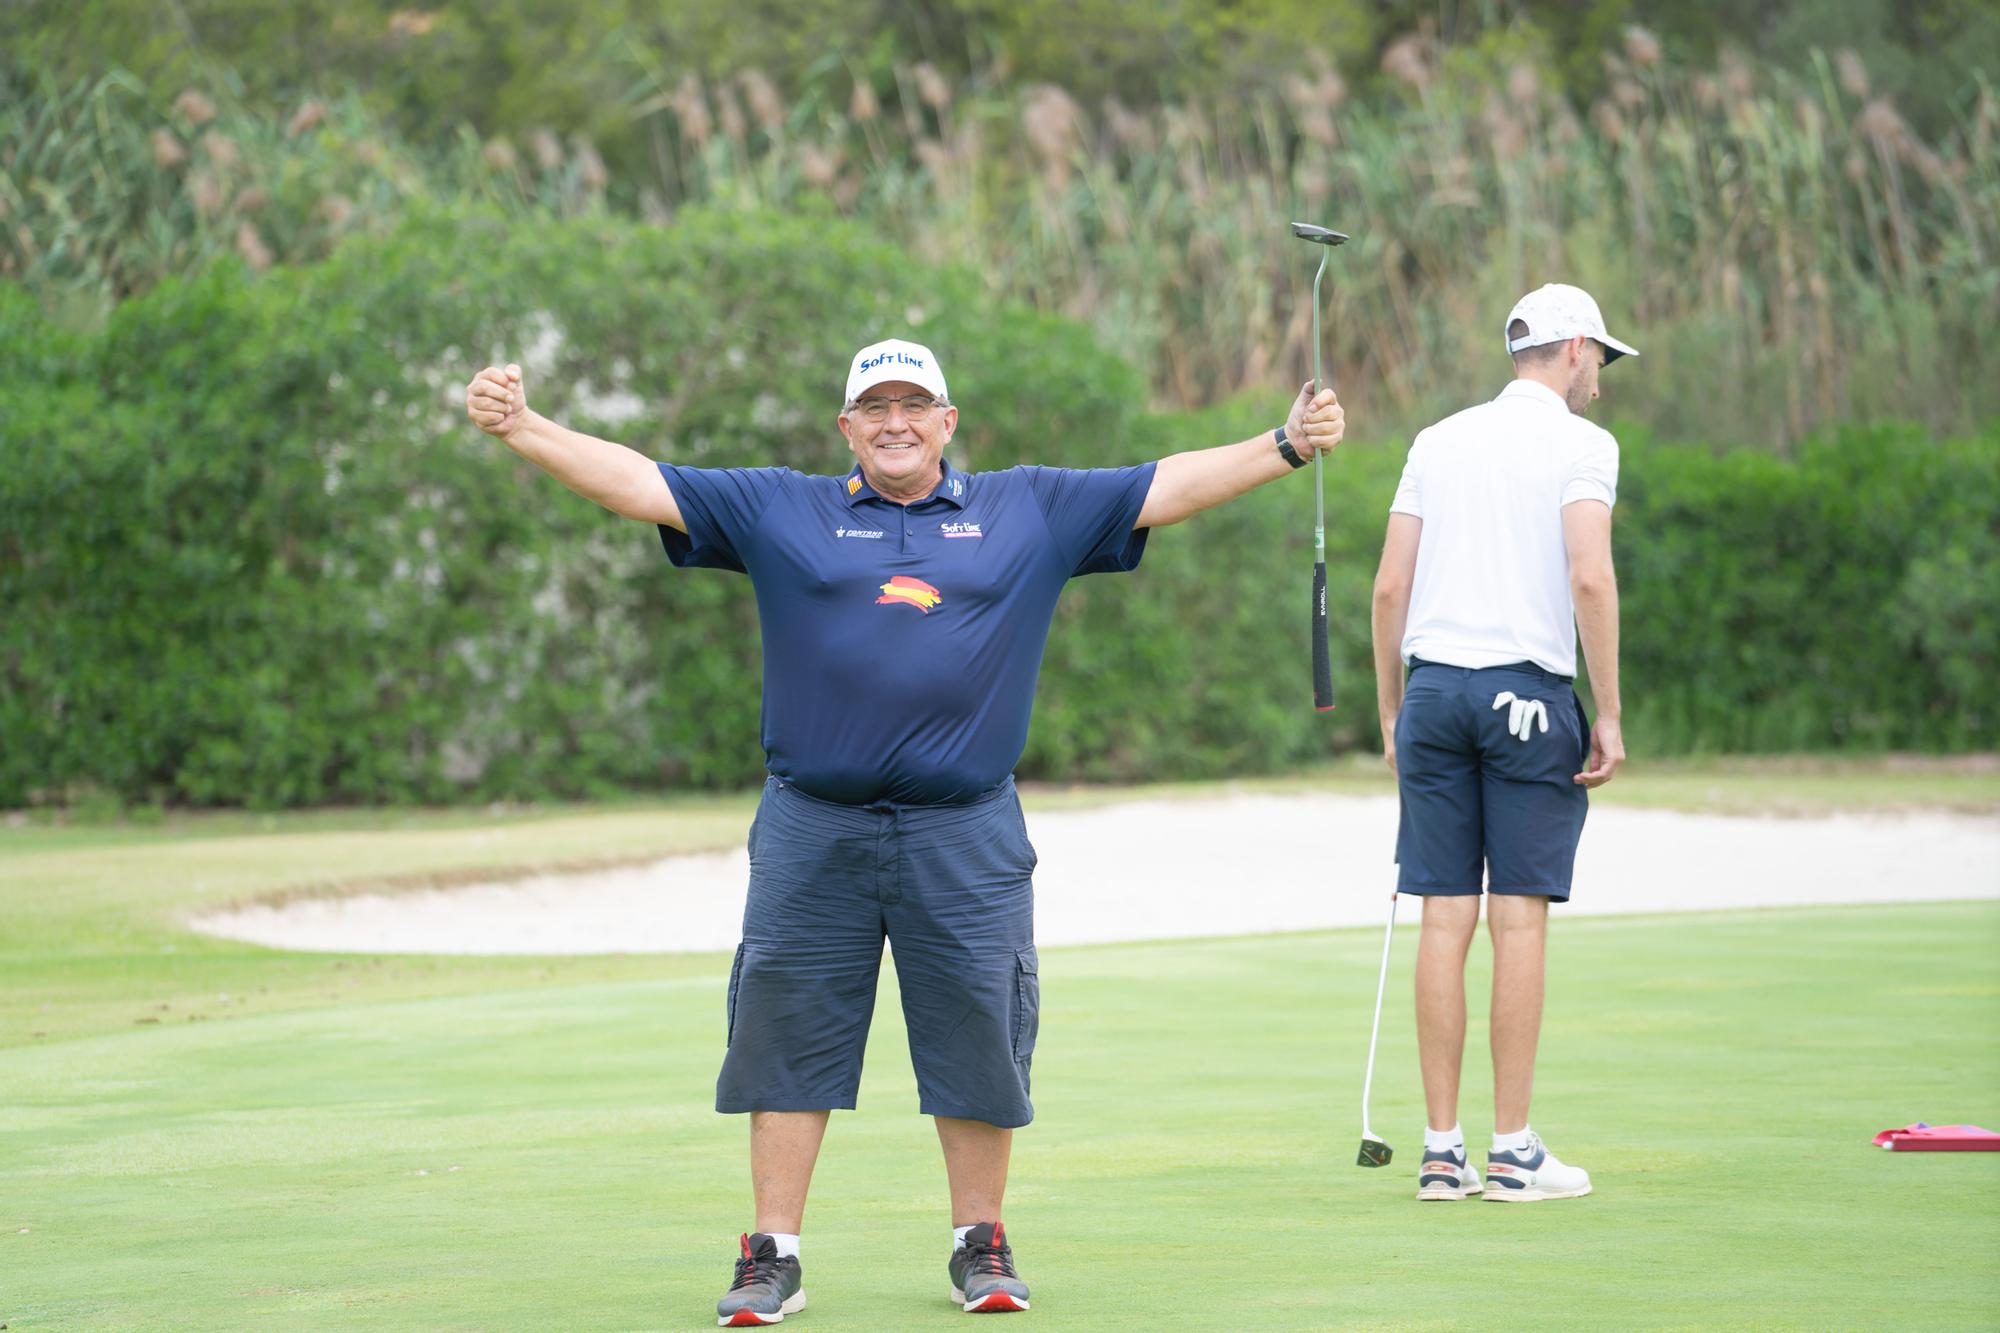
(951, 889)
(1482, 806)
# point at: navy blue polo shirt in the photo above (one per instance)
(902, 642)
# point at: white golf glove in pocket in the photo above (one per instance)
(1524, 715)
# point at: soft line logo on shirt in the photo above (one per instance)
(960, 530)
(909, 592)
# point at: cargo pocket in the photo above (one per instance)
(1027, 1003)
(735, 980)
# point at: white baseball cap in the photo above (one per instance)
(894, 359)
(1557, 312)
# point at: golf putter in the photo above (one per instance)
(1374, 1151)
(1322, 660)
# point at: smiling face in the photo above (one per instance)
(899, 456)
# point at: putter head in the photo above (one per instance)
(1305, 231)
(1374, 1152)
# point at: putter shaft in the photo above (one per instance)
(1381, 986)
(1319, 473)
(1321, 649)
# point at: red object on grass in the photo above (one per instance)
(1921, 1137)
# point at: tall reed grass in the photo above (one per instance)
(1785, 249)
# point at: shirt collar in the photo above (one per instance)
(1536, 390)
(951, 488)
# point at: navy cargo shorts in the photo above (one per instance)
(951, 889)
(1476, 797)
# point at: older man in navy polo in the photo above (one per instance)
(904, 609)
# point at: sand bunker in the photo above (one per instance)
(1237, 865)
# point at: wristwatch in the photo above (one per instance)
(1286, 452)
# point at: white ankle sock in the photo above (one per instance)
(788, 1246)
(958, 1235)
(1513, 1142)
(1444, 1140)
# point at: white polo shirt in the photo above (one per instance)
(1492, 582)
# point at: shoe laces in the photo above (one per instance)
(995, 1260)
(750, 1270)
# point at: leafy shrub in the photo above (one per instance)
(252, 553)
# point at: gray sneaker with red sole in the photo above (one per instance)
(983, 1279)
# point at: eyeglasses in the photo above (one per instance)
(915, 407)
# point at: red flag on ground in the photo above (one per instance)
(1921, 1137)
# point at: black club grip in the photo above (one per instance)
(1322, 659)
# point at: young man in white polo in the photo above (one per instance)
(1498, 556)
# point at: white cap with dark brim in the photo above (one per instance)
(1557, 312)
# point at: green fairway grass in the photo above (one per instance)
(202, 1134)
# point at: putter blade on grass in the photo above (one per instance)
(1374, 1152)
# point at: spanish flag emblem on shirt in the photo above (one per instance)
(909, 592)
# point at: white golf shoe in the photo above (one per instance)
(1532, 1174)
(1445, 1174)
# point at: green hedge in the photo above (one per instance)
(251, 553)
